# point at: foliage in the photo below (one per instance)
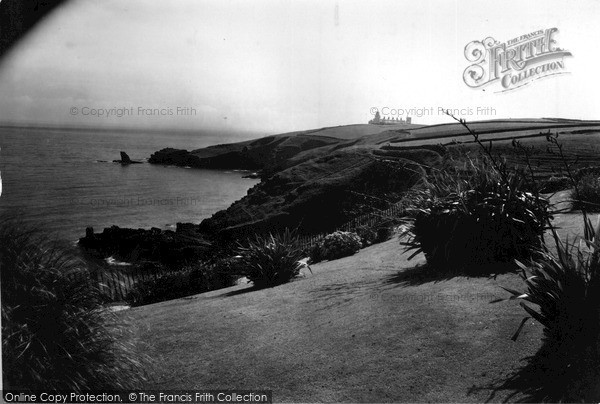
(384, 233)
(565, 287)
(270, 260)
(339, 244)
(55, 333)
(174, 284)
(377, 233)
(315, 252)
(367, 235)
(475, 214)
(590, 170)
(587, 195)
(555, 184)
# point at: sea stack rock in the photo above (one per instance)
(125, 160)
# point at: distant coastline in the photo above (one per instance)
(310, 180)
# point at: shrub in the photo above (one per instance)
(339, 244)
(587, 195)
(55, 333)
(175, 284)
(315, 252)
(592, 170)
(367, 235)
(270, 260)
(466, 217)
(384, 233)
(565, 287)
(555, 184)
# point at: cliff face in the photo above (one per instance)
(271, 152)
(313, 181)
(252, 155)
(319, 194)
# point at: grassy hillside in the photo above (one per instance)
(347, 132)
(269, 151)
(371, 327)
(320, 184)
(318, 194)
(374, 326)
(500, 125)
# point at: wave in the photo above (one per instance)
(112, 261)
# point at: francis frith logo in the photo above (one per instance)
(516, 62)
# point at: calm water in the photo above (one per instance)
(53, 178)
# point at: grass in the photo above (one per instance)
(351, 332)
(348, 320)
(343, 335)
(55, 333)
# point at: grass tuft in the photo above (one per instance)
(56, 335)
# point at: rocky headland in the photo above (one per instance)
(313, 181)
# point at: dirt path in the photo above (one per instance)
(362, 328)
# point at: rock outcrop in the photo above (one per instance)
(125, 160)
(133, 245)
(270, 151)
(320, 194)
(251, 155)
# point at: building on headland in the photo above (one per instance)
(377, 120)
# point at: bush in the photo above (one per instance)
(592, 170)
(367, 235)
(377, 233)
(565, 287)
(315, 252)
(339, 244)
(270, 260)
(55, 333)
(465, 218)
(555, 184)
(384, 234)
(175, 284)
(588, 193)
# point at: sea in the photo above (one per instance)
(61, 181)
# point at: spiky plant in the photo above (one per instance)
(467, 216)
(55, 333)
(270, 260)
(564, 289)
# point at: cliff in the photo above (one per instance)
(317, 180)
(267, 152)
(319, 194)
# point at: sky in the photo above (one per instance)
(279, 66)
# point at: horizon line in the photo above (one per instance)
(40, 125)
